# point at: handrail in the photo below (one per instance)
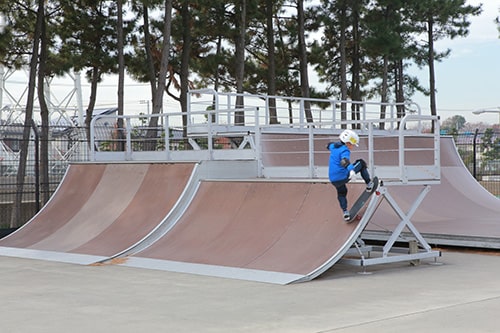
(289, 105)
(128, 130)
(208, 129)
(208, 137)
(401, 134)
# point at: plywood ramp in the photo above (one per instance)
(456, 211)
(277, 232)
(100, 210)
(458, 207)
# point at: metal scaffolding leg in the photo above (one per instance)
(389, 253)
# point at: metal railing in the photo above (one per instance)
(169, 141)
(218, 137)
(297, 112)
(305, 156)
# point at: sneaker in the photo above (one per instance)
(369, 186)
(347, 215)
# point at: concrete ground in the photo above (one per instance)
(462, 295)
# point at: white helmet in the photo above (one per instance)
(349, 136)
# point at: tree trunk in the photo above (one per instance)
(271, 70)
(239, 116)
(400, 95)
(216, 74)
(356, 67)
(432, 79)
(147, 45)
(162, 77)
(44, 114)
(121, 76)
(343, 65)
(92, 99)
(15, 220)
(303, 64)
(186, 54)
(384, 90)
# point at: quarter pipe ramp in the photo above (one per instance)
(278, 232)
(459, 211)
(100, 210)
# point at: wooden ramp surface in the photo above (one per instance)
(458, 207)
(100, 210)
(278, 232)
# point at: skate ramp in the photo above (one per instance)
(278, 232)
(100, 210)
(458, 211)
(458, 208)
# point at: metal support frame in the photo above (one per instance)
(389, 253)
(13, 99)
(247, 141)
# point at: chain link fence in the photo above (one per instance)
(65, 145)
(480, 152)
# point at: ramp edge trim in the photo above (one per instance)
(70, 258)
(212, 270)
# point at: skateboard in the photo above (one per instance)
(363, 198)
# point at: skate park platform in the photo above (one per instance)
(262, 211)
(275, 231)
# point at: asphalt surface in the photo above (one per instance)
(461, 295)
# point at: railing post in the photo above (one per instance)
(437, 143)
(363, 117)
(258, 151)
(266, 114)
(188, 111)
(392, 116)
(128, 145)
(166, 127)
(371, 148)
(474, 158)
(401, 151)
(334, 111)
(209, 135)
(311, 150)
(92, 139)
(301, 113)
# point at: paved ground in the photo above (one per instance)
(462, 295)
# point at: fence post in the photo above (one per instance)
(474, 154)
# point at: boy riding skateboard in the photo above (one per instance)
(341, 170)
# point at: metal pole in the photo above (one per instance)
(474, 154)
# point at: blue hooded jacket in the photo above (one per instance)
(338, 151)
